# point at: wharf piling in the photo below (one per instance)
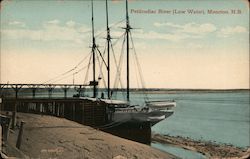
(86, 112)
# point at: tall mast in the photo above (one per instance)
(108, 39)
(93, 52)
(127, 34)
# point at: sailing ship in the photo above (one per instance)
(123, 119)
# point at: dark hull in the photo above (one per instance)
(139, 131)
(134, 126)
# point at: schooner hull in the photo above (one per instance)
(135, 126)
(136, 130)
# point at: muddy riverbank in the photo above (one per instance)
(209, 149)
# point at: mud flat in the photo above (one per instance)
(52, 137)
(209, 149)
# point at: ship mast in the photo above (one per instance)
(127, 34)
(108, 49)
(94, 82)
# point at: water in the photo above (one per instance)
(180, 152)
(220, 117)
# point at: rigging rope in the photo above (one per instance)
(87, 72)
(101, 73)
(60, 76)
(119, 67)
(136, 74)
(118, 64)
(111, 26)
(139, 68)
(115, 24)
(81, 69)
(52, 80)
(100, 65)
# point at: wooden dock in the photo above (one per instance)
(83, 111)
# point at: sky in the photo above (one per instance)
(50, 41)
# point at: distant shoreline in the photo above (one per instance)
(172, 91)
(151, 90)
(162, 89)
(180, 89)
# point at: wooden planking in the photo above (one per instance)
(92, 113)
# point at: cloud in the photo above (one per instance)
(156, 35)
(191, 28)
(70, 23)
(55, 22)
(227, 31)
(175, 36)
(21, 34)
(202, 29)
(199, 28)
(180, 32)
(17, 23)
(157, 24)
(50, 31)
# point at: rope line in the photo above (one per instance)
(52, 80)
(87, 72)
(139, 68)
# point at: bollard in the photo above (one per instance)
(20, 134)
(1, 104)
(6, 128)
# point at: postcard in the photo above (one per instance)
(124, 79)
